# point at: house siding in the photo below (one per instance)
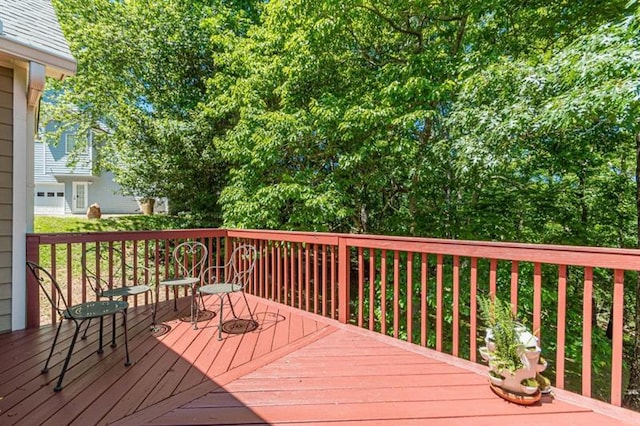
(6, 195)
(40, 163)
(56, 158)
(106, 193)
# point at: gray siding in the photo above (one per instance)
(54, 160)
(40, 153)
(106, 193)
(6, 195)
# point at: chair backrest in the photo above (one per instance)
(241, 263)
(190, 257)
(50, 287)
(105, 266)
(237, 270)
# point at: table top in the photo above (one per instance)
(181, 281)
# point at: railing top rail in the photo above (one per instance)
(606, 257)
(288, 236)
(80, 237)
(363, 240)
(628, 259)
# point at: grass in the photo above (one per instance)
(61, 224)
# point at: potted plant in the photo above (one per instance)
(146, 205)
(512, 353)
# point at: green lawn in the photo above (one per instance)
(56, 224)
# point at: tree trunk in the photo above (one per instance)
(632, 394)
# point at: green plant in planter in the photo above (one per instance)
(512, 353)
(499, 318)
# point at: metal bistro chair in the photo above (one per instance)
(78, 314)
(232, 277)
(190, 257)
(134, 278)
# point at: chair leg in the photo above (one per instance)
(204, 308)
(84, 335)
(154, 307)
(58, 387)
(248, 308)
(126, 338)
(100, 340)
(195, 320)
(175, 298)
(194, 309)
(233, 311)
(55, 339)
(113, 331)
(221, 315)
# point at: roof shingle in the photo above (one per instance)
(33, 23)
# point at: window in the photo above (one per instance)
(70, 143)
(50, 194)
(71, 140)
(59, 194)
(40, 194)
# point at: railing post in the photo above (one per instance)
(618, 334)
(343, 281)
(33, 289)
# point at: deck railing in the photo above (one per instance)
(424, 291)
(147, 252)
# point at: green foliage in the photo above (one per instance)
(498, 316)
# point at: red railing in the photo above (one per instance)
(421, 290)
(61, 254)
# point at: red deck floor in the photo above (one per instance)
(296, 368)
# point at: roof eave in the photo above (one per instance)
(57, 66)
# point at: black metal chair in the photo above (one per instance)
(78, 314)
(232, 277)
(133, 279)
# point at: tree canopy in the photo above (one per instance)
(355, 116)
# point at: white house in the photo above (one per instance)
(32, 46)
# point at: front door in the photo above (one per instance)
(79, 203)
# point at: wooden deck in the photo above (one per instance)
(295, 368)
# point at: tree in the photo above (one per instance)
(341, 112)
(143, 68)
(570, 125)
(439, 120)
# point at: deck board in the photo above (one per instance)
(295, 368)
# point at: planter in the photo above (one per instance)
(495, 380)
(509, 384)
(542, 365)
(516, 398)
(513, 381)
(146, 205)
(485, 353)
